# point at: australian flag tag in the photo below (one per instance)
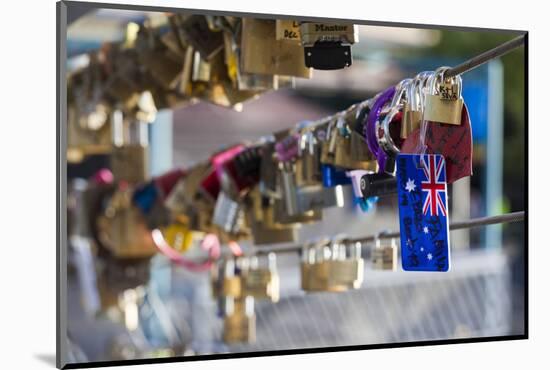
(423, 213)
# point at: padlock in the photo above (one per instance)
(268, 170)
(227, 279)
(328, 45)
(335, 267)
(308, 167)
(378, 185)
(239, 324)
(328, 143)
(384, 257)
(262, 53)
(288, 30)
(333, 176)
(346, 265)
(129, 157)
(263, 232)
(88, 114)
(318, 197)
(286, 210)
(121, 228)
(178, 236)
(115, 276)
(261, 281)
(228, 214)
(443, 100)
(413, 107)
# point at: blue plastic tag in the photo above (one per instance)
(423, 212)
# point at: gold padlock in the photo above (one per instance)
(262, 53)
(239, 324)
(122, 229)
(262, 281)
(288, 30)
(384, 257)
(331, 268)
(444, 99)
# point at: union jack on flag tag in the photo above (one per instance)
(423, 212)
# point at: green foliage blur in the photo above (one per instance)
(470, 43)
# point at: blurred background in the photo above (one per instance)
(482, 295)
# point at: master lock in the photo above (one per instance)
(328, 45)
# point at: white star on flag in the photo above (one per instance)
(421, 249)
(429, 256)
(410, 185)
(425, 229)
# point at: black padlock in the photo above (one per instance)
(327, 55)
(378, 184)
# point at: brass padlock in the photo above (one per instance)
(226, 279)
(328, 143)
(262, 281)
(288, 30)
(444, 99)
(384, 257)
(239, 324)
(334, 268)
(262, 53)
(258, 206)
(308, 168)
(121, 228)
(413, 107)
(130, 152)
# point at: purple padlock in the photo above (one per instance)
(370, 127)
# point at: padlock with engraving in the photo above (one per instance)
(384, 256)
(261, 280)
(443, 100)
(243, 80)
(288, 30)
(121, 227)
(328, 45)
(239, 324)
(262, 53)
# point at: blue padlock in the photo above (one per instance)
(333, 176)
